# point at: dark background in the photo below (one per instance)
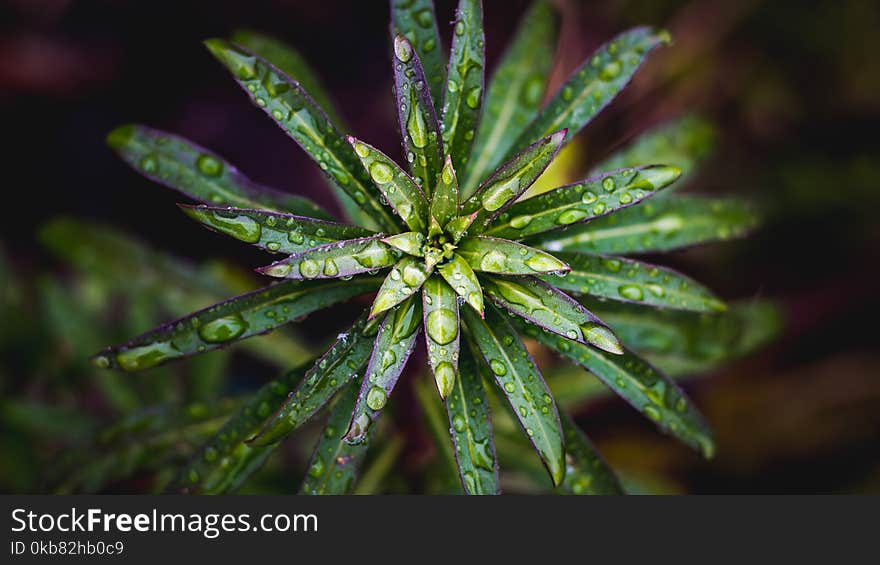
(793, 86)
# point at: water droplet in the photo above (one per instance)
(388, 359)
(500, 193)
(533, 91)
(223, 329)
(444, 375)
(309, 268)
(273, 246)
(631, 292)
(458, 423)
(473, 97)
(519, 222)
(459, 28)
(625, 198)
(101, 362)
(402, 49)
(241, 227)
(608, 184)
(498, 367)
(146, 356)
(380, 172)
(209, 165)
(610, 71)
(296, 237)
(317, 468)
(543, 263)
(330, 268)
(601, 337)
(442, 325)
(571, 216)
(376, 398)
(589, 197)
(567, 93)
(656, 290)
(361, 149)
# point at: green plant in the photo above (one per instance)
(446, 245)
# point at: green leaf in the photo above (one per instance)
(463, 97)
(290, 62)
(627, 280)
(235, 319)
(442, 335)
(335, 260)
(687, 343)
(521, 383)
(444, 204)
(458, 273)
(416, 20)
(593, 85)
(394, 344)
(657, 225)
(470, 426)
(647, 389)
(510, 180)
(411, 243)
(291, 107)
(457, 227)
(272, 231)
(418, 119)
(582, 201)
(585, 470)
(437, 425)
(398, 188)
(514, 93)
(200, 174)
(227, 459)
(505, 257)
(551, 309)
(683, 142)
(404, 279)
(339, 365)
(335, 464)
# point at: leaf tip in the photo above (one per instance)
(279, 269)
(120, 136)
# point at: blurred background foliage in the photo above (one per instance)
(783, 99)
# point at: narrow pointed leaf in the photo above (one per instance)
(419, 128)
(411, 243)
(335, 464)
(586, 472)
(461, 277)
(521, 383)
(235, 319)
(335, 260)
(272, 231)
(398, 188)
(227, 460)
(338, 366)
(416, 20)
(628, 280)
(394, 344)
(470, 425)
(405, 278)
(444, 204)
(582, 201)
(510, 180)
(505, 257)
(200, 174)
(647, 389)
(463, 99)
(514, 93)
(593, 85)
(551, 309)
(442, 335)
(290, 62)
(657, 225)
(458, 227)
(297, 113)
(683, 142)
